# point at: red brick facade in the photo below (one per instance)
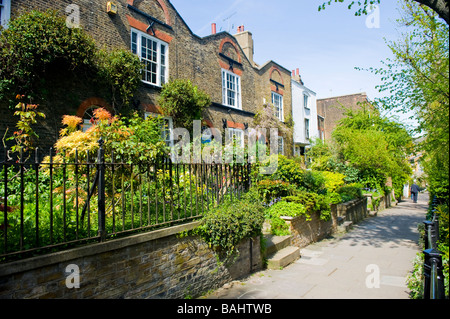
(189, 57)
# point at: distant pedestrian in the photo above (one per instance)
(414, 192)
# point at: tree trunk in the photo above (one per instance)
(439, 6)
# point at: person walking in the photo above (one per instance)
(415, 192)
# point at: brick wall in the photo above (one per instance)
(306, 232)
(152, 266)
(332, 109)
(190, 57)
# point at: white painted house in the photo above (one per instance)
(304, 114)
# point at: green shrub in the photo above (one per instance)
(284, 208)
(313, 203)
(270, 189)
(415, 280)
(313, 181)
(289, 171)
(350, 192)
(225, 226)
(334, 198)
(333, 180)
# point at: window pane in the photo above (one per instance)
(134, 42)
(230, 89)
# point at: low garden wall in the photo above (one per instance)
(381, 202)
(306, 232)
(153, 265)
(354, 211)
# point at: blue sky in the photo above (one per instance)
(326, 46)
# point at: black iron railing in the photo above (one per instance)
(61, 201)
(433, 269)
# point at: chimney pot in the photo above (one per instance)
(298, 71)
(213, 28)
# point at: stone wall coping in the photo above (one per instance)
(352, 202)
(14, 267)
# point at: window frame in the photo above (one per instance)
(278, 108)
(225, 74)
(306, 101)
(281, 139)
(307, 129)
(162, 59)
(232, 132)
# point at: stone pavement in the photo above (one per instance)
(371, 261)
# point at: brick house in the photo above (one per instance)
(220, 64)
(331, 110)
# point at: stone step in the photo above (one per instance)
(275, 243)
(283, 257)
(346, 226)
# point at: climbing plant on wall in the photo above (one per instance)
(38, 44)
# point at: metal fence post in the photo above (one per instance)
(427, 235)
(101, 191)
(434, 277)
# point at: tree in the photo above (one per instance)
(417, 80)
(439, 6)
(369, 146)
(184, 102)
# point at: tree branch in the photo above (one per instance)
(439, 6)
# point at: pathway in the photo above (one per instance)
(371, 261)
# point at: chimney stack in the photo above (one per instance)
(213, 28)
(296, 76)
(245, 40)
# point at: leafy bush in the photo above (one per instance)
(269, 189)
(33, 43)
(133, 140)
(313, 203)
(225, 226)
(290, 170)
(183, 101)
(333, 180)
(284, 208)
(313, 181)
(39, 44)
(120, 69)
(350, 192)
